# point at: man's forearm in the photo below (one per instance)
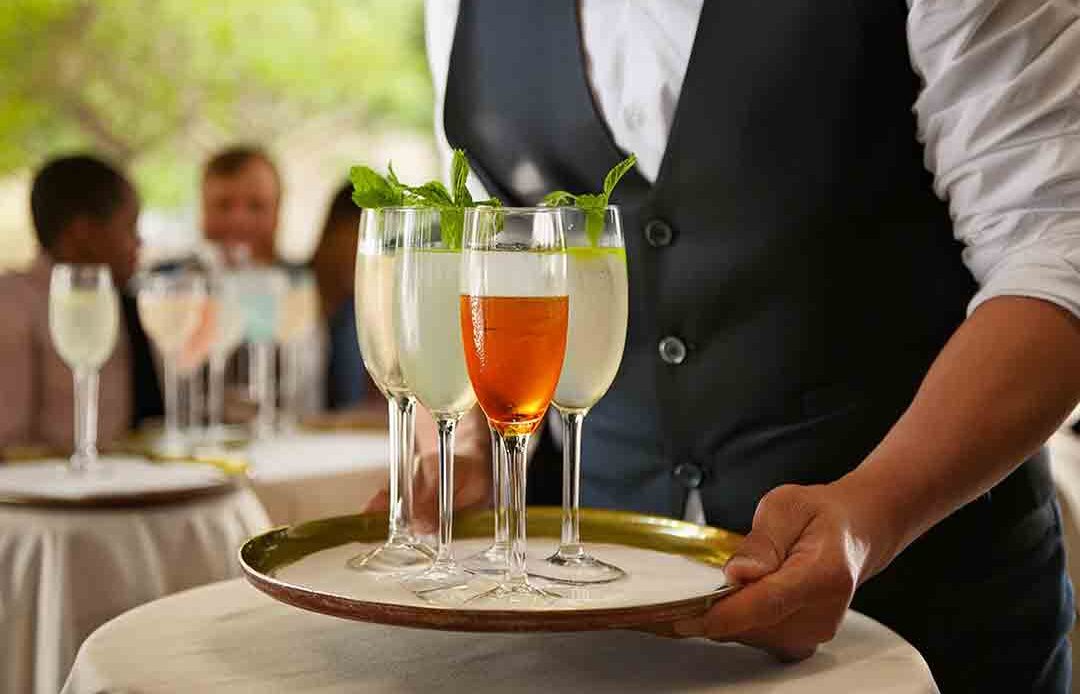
(1003, 383)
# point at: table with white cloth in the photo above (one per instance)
(67, 569)
(228, 637)
(310, 475)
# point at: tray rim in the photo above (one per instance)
(455, 619)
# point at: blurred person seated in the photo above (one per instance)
(347, 382)
(241, 199)
(84, 211)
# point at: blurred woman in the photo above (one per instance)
(347, 382)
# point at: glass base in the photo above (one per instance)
(509, 595)
(392, 558)
(492, 561)
(440, 576)
(578, 568)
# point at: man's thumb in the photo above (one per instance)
(754, 559)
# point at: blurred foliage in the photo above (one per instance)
(156, 84)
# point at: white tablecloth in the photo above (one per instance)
(306, 476)
(230, 638)
(63, 573)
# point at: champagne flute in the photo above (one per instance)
(170, 307)
(377, 259)
(83, 323)
(433, 359)
(514, 308)
(299, 315)
(597, 283)
(493, 559)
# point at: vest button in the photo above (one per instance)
(658, 233)
(691, 475)
(672, 350)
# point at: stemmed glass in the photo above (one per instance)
(83, 323)
(229, 329)
(259, 291)
(377, 259)
(433, 360)
(299, 314)
(514, 308)
(493, 559)
(597, 283)
(170, 308)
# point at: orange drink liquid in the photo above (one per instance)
(514, 349)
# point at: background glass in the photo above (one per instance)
(170, 308)
(83, 323)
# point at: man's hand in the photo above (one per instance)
(808, 550)
(472, 469)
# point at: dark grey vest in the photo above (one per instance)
(792, 244)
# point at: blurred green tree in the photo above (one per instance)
(155, 84)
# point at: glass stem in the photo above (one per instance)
(570, 544)
(516, 448)
(86, 401)
(195, 401)
(172, 400)
(498, 481)
(402, 411)
(216, 400)
(444, 555)
(264, 420)
(291, 377)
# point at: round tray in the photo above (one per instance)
(264, 557)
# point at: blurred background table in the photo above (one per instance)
(316, 474)
(228, 637)
(65, 570)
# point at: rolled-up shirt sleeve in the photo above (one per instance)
(1000, 119)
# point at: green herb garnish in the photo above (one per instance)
(372, 190)
(594, 205)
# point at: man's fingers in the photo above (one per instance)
(379, 502)
(762, 604)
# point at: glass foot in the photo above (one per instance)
(578, 568)
(439, 576)
(392, 558)
(492, 561)
(507, 595)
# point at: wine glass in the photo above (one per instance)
(432, 359)
(229, 330)
(597, 283)
(193, 357)
(170, 307)
(299, 315)
(377, 259)
(514, 308)
(83, 323)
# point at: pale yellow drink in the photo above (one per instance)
(83, 324)
(375, 307)
(597, 282)
(429, 331)
(170, 320)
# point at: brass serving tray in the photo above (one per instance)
(263, 556)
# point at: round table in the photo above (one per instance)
(228, 637)
(310, 475)
(66, 571)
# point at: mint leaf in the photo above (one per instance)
(372, 191)
(594, 205)
(459, 176)
(615, 175)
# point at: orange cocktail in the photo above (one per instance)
(514, 348)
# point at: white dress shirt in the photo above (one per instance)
(999, 117)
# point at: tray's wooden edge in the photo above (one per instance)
(447, 619)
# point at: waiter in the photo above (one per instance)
(830, 348)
